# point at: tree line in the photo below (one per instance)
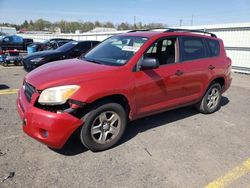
(72, 26)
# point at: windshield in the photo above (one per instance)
(68, 46)
(116, 50)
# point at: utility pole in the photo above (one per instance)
(134, 22)
(192, 20)
(180, 22)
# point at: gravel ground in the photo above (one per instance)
(179, 148)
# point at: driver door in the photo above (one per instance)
(158, 89)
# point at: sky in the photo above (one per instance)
(169, 12)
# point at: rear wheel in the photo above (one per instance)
(211, 100)
(103, 126)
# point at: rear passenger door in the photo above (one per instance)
(194, 63)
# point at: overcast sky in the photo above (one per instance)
(164, 11)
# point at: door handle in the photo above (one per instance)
(179, 73)
(211, 67)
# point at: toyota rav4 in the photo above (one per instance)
(126, 77)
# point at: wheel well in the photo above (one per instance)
(220, 80)
(117, 98)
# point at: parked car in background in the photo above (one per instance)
(15, 42)
(50, 44)
(126, 77)
(2, 55)
(69, 50)
(12, 57)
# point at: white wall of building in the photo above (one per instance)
(236, 38)
(8, 30)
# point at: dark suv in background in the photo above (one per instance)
(126, 77)
(69, 50)
(50, 44)
(15, 42)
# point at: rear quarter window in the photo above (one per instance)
(214, 47)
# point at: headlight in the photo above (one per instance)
(37, 59)
(57, 95)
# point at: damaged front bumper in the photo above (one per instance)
(50, 128)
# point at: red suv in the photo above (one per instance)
(124, 78)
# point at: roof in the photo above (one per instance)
(164, 32)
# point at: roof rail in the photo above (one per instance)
(135, 30)
(190, 30)
(147, 29)
(175, 30)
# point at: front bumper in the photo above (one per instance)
(50, 128)
(27, 65)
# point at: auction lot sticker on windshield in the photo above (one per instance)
(130, 48)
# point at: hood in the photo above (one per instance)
(70, 71)
(42, 54)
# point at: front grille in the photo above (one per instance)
(28, 90)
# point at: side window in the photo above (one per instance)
(85, 46)
(17, 39)
(54, 45)
(214, 47)
(94, 44)
(164, 50)
(7, 39)
(152, 50)
(192, 48)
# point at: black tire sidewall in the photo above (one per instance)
(88, 119)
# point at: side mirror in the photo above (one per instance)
(149, 63)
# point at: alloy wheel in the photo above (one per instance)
(213, 98)
(105, 127)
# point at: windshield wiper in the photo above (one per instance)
(92, 60)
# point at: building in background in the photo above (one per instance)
(7, 31)
(57, 30)
(102, 29)
(78, 31)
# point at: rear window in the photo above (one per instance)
(214, 47)
(192, 48)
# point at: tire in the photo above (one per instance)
(211, 100)
(5, 64)
(19, 63)
(104, 125)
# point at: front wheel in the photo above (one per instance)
(5, 64)
(211, 100)
(103, 126)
